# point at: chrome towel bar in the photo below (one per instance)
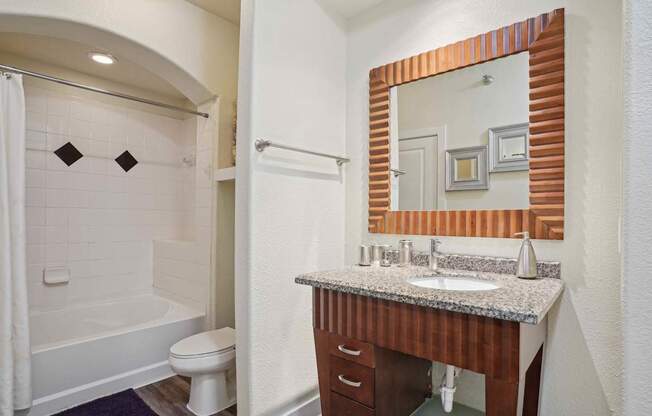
(262, 144)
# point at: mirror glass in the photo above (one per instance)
(512, 148)
(459, 139)
(466, 170)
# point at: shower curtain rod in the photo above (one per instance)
(100, 90)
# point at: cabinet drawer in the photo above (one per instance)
(341, 406)
(352, 350)
(352, 380)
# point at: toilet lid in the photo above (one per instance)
(205, 343)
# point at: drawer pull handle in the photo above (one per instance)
(348, 351)
(348, 382)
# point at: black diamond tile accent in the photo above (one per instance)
(68, 153)
(126, 161)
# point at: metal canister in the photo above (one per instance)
(365, 256)
(405, 252)
(377, 253)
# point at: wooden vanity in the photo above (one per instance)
(376, 336)
(374, 355)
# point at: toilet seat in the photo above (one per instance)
(217, 342)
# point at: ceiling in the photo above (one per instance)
(228, 9)
(350, 8)
(74, 56)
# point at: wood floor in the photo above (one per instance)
(169, 397)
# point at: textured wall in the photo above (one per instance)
(637, 263)
(583, 365)
(294, 218)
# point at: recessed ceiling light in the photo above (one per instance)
(102, 58)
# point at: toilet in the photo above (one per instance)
(208, 359)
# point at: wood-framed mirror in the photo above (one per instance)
(492, 84)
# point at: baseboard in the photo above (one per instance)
(311, 407)
(66, 399)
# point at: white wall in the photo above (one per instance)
(93, 217)
(637, 231)
(583, 367)
(460, 102)
(291, 208)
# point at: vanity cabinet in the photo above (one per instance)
(361, 379)
(373, 355)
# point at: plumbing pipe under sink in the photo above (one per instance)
(447, 388)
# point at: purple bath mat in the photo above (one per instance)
(125, 403)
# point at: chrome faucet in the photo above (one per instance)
(433, 259)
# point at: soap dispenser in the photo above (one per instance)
(526, 267)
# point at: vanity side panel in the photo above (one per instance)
(323, 370)
(502, 398)
(484, 345)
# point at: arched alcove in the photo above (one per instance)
(123, 46)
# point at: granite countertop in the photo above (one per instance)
(519, 300)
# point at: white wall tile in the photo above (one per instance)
(56, 234)
(35, 197)
(35, 178)
(93, 217)
(100, 250)
(100, 148)
(80, 269)
(36, 121)
(79, 234)
(58, 105)
(56, 216)
(78, 251)
(81, 110)
(35, 254)
(103, 132)
(37, 102)
(57, 124)
(35, 215)
(67, 198)
(35, 271)
(35, 234)
(56, 253)
(81, 128)
(35, 159)
(36, 140)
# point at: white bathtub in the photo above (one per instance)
(88, 351)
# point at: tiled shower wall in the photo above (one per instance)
(182, 269)
(92, 217)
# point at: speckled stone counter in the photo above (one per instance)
(487, 264)
(519, 300)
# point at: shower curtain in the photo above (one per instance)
(15, 355)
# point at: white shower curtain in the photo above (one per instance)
(15, 355)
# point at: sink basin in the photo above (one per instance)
(455, 283)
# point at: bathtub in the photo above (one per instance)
(89, 351)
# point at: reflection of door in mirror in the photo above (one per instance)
(469, 108)
(417, 188)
